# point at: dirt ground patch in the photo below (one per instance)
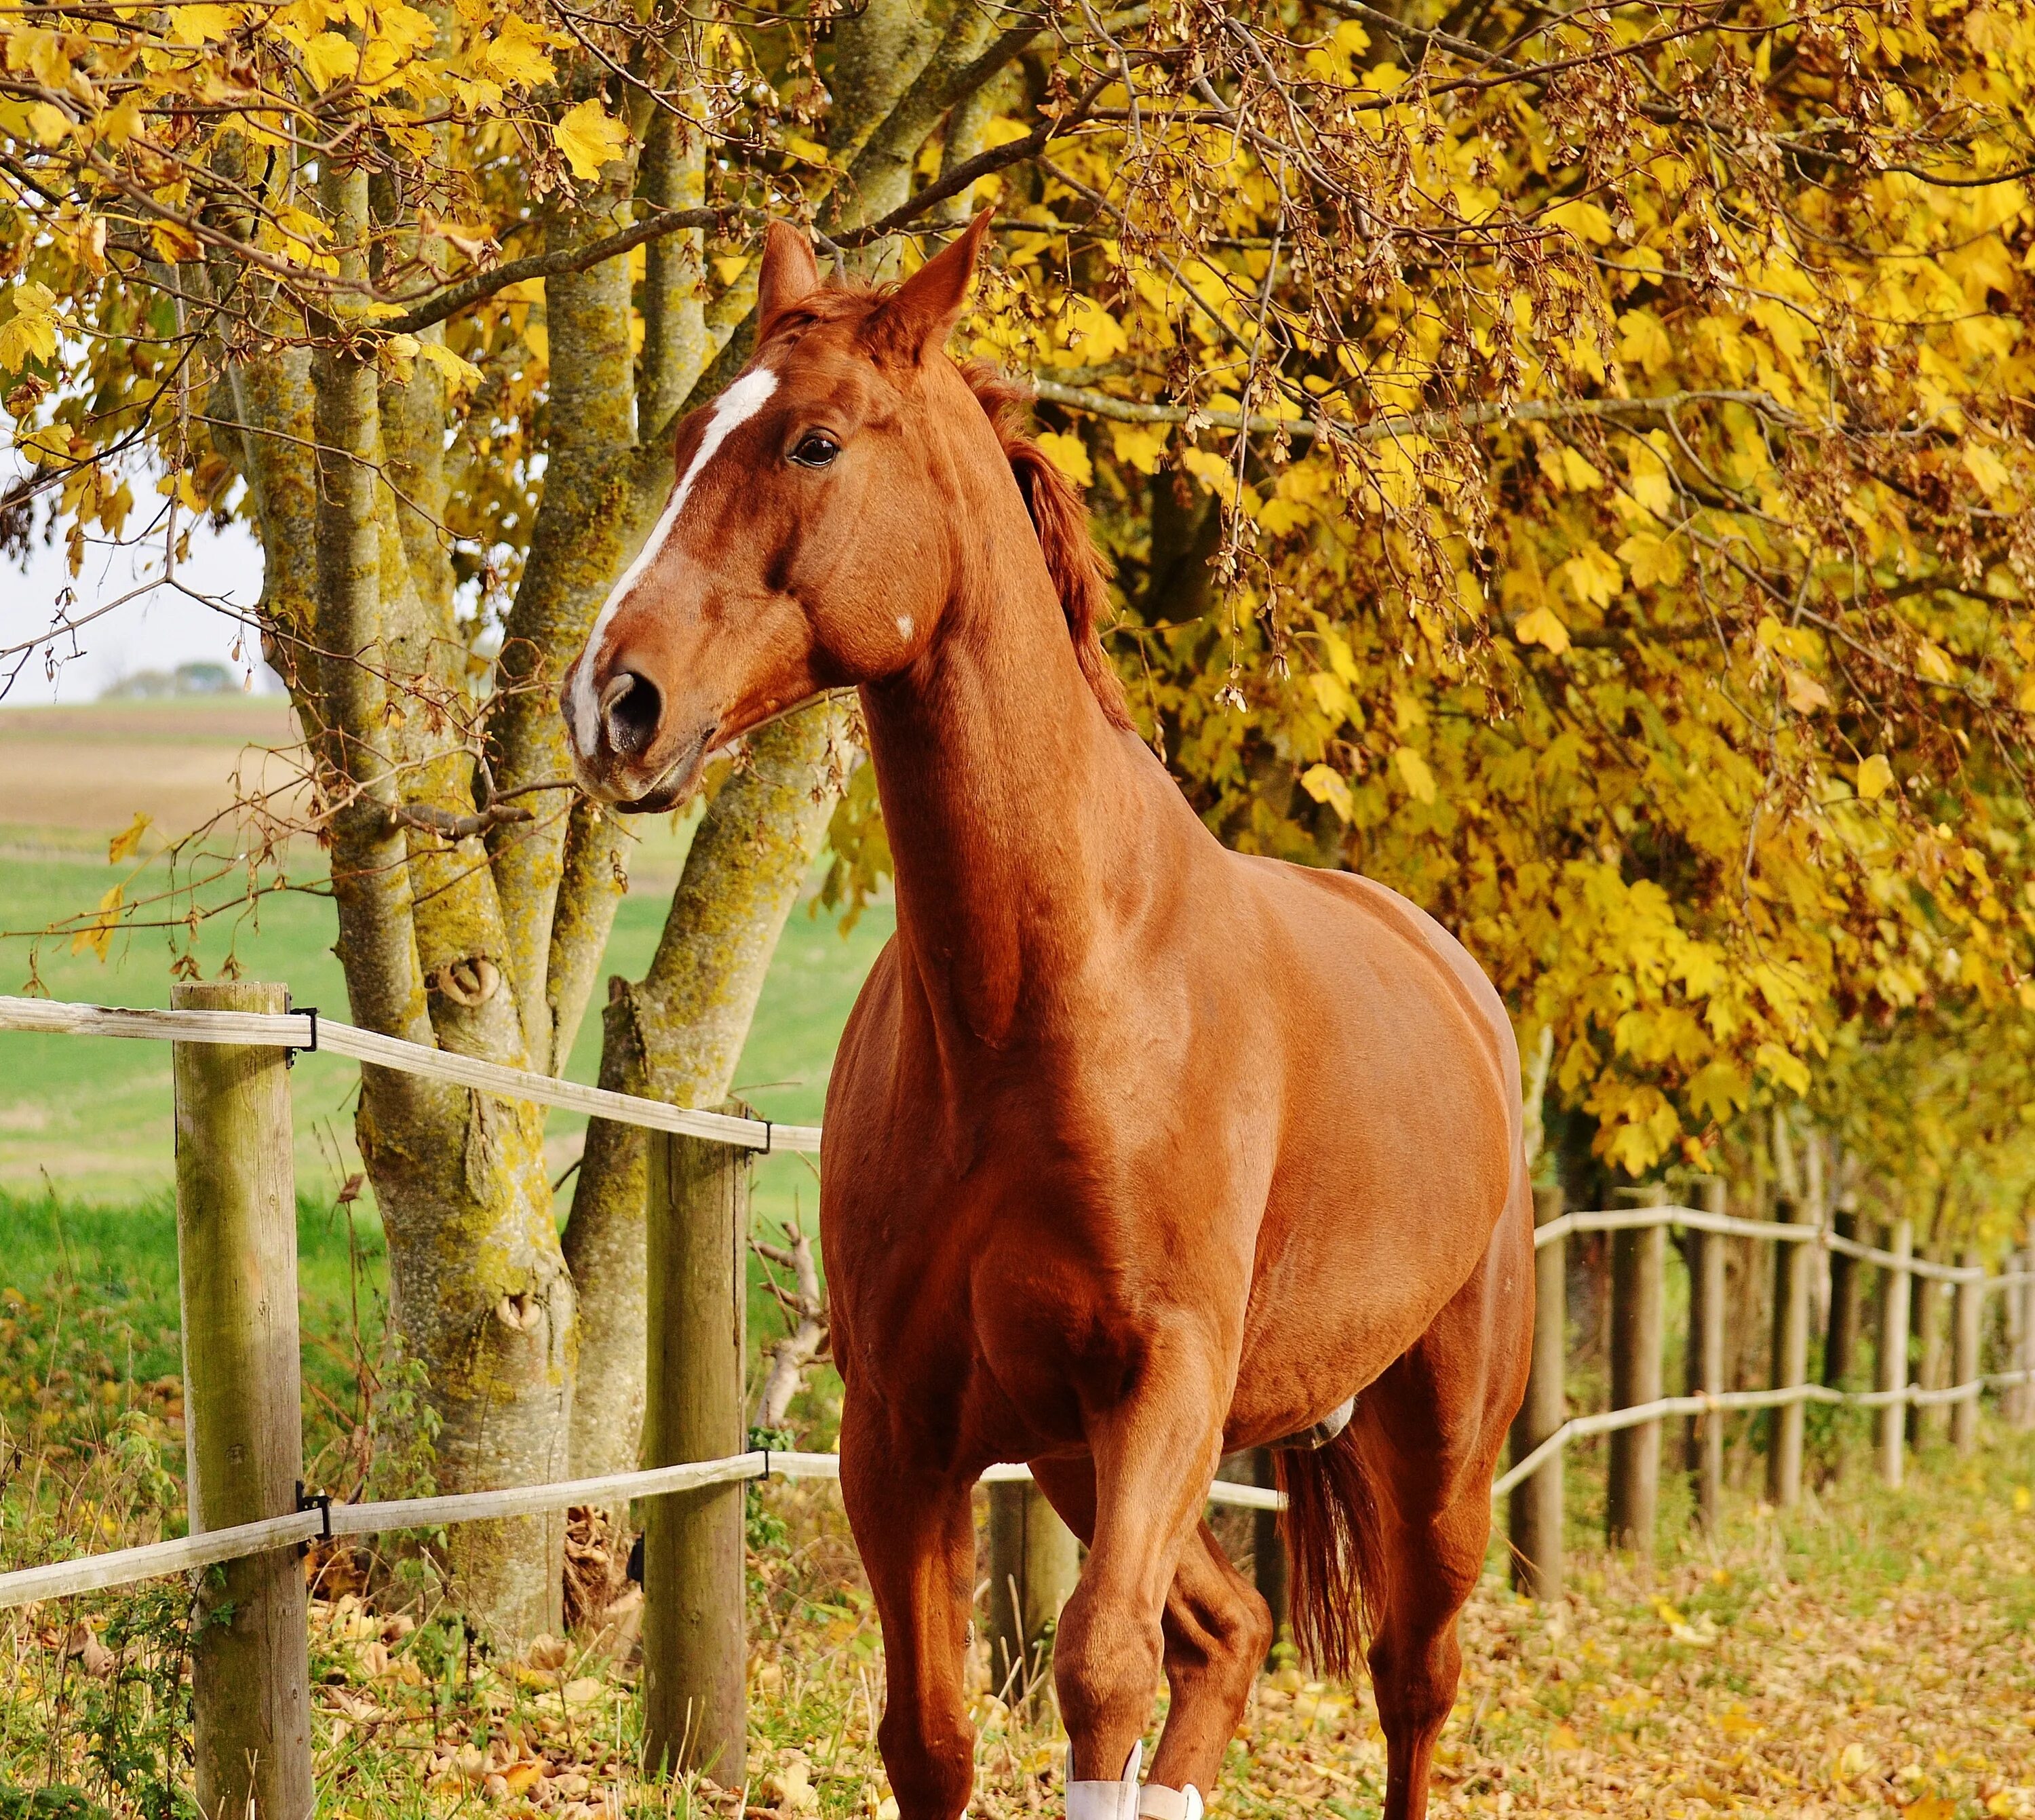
(92, 769)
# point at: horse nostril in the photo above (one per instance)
(629, 709)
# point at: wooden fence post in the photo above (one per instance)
(1705, 1363)
(2023, 1331)
(1930, 1422)
(1638, 1276)
(1791, 1357)
(1970, 1329)
(1034, 1563)
(1893, 1362)
(694, 1648)
(1535, 1516)
(1269, 1568)
(1840, 1339)
(243, 1402)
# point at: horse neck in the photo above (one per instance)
(1010, 800)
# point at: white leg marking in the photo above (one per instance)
(733, 408)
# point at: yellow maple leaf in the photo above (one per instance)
(1653, 560)
(1931, 661)
(515, 52)
(1091, 332)
(590, 139)
(459, 374)
(1805, 693)
(1593, 575)
(174, 241)
(1068, 454)
(1542, 626)
(1986, 467)
(1413, 771)
(98, 933)
(201, 24)
(1139, 446)
(328, 58)
(1876, 777)
(50, 125)
(1327, 785)
(30, 332)
(123, 844)
(1643, 340)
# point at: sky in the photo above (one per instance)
(156, 631)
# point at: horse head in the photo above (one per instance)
(814, 532)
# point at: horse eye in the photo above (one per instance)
(816, 449)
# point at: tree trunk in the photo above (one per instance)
(677, 1036)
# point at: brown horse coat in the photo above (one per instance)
(1138, 1151)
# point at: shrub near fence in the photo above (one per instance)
(249, 1515)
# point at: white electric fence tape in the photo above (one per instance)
(305, 1032)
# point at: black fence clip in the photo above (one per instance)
(320, 1502)
(292, 1050)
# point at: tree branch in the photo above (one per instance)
(1418, 423)
(477, 286)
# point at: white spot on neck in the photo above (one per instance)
(904, 625)
(733, 408)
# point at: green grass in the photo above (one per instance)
(92, 1118)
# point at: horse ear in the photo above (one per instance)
(790, 273)
(922, 312)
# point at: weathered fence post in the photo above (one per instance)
(1893, 1362)
(1034, 1563)
(693, 1649)
(1638, 1277)
(1931, 1421)
(1705, 1365)
(1970, 1329)
(1847, 1280)
(2023, 1331)
(244, 1403)
(1270, 1568)
(1535, 1524)
(1791, 1357)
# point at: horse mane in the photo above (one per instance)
(1059, 514)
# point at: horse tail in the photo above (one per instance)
(1330, 1526)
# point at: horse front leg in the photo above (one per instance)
(1154, 1457)
(914, 1527)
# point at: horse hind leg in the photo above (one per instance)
(1387, 1525)
(1218, 1630)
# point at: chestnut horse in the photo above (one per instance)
(1138, 1150)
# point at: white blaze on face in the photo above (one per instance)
(733, 408)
